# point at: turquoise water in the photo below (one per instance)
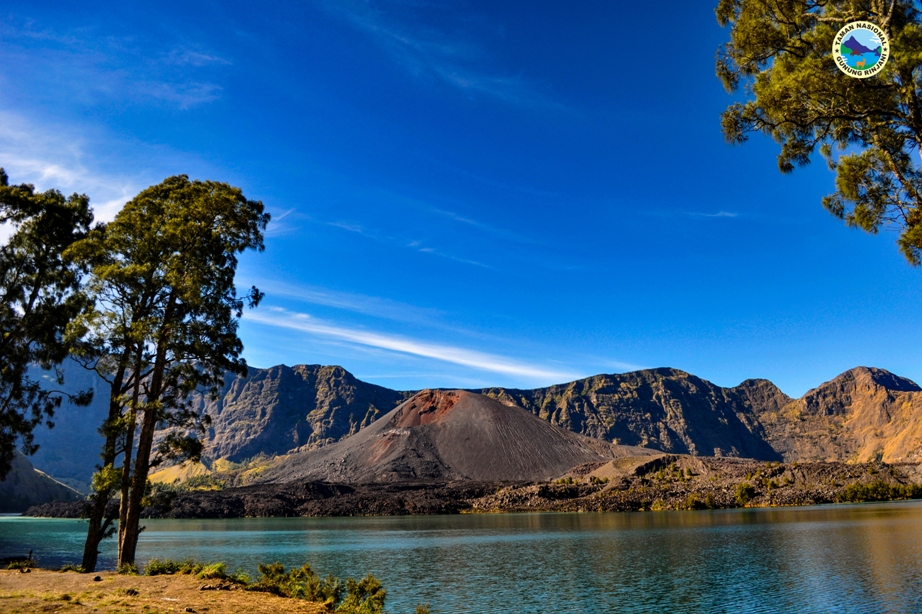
(870, 60)
(848, 558)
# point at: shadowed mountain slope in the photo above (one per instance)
(272, 411)
(665, 409)
(24, 487)
(268, 412)
(446, 435)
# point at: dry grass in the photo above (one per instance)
(53, 591)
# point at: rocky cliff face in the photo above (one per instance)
(863, 415)
(665, 409)
(273, 411)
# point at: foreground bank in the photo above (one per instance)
(53, 591)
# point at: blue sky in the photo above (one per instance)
(463, 193)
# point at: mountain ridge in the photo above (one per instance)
(863, 414)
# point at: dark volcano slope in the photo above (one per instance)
(446, 435)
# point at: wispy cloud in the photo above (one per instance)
(718, 214)
(418, 245)
(95, 67)
(348, 301)
(427, 52)
(474, 359)
(51, 156)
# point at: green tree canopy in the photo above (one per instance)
(869, 130)
(163, 323)
(38, 297)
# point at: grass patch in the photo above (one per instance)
(71, 567)
(202, 571)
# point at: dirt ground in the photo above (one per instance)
(54, 591)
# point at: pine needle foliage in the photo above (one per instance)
(779, 57)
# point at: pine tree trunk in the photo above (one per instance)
(98, 524)
(95, 532)
(130, 531)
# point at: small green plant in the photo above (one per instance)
(23, 564)
(72, 567)
(214, 571)
(744, 493)
(365, 596)
(303, 583)
(168, 567)
(709, 501)
(127, 569)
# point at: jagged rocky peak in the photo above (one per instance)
(838, 394)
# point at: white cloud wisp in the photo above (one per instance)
(282, 318)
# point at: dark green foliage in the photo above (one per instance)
(365, 596)
(744, 493)
(780, 55)
(127, 569)
(203, 571)
(168, 567)
(38, 297)
(22, 564)
(879, 491)
(302, 583)
(72, 567)
(163, 323)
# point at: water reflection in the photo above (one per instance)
(865, 558)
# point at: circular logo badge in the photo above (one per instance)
(861, 49)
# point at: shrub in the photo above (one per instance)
(303, 583)
(127, 569)
(214, 571)
(239, 577)
(878, 491)
(23, 564)
(168, 567)
(72, 567)
(744, 493)
(365, 596)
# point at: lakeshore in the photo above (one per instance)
(43, 590)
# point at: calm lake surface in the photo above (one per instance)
(843, 558)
